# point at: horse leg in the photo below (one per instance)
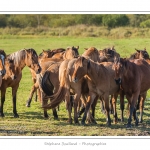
(44, 100)
(68, 105)
(92, 116)
(114, 101)
(139, 99)
(90, 100)
(112, 104)
(3, 92)
(34, 88)
(14, 95)
(143, 97)
(122, 104)
(132, 101)
(107, 109)
(102, 105)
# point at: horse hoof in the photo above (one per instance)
(16, 116)
(128, 126)
(27, 105)
(56, 118)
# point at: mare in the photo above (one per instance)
(21, 58)
(132, 85)
(49, 80)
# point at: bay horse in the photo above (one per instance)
(132, 86)
(21, 58)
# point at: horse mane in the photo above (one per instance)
(2, 52)
(20, 55)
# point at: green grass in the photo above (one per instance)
(31, 121)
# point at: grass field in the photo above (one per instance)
(31, 121)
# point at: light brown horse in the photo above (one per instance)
(100, 82)
(21, 58)
(134, 81)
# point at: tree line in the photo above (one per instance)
(65, 20)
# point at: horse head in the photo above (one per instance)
(31, 60)
(118, 66)
(46, 54)
(142, 54)
(2, 62)
(108, 54)
(80, 69)
(71, 52)
(91, 53)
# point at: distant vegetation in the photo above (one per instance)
(88, 25)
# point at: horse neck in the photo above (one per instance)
(95, 70)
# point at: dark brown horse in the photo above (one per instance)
(133, 76)
(22, 58)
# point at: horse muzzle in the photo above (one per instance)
(118, 81)
(2, 72)
(39, 71)
(75, 80)
(13, 77)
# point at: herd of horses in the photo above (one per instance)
(81, 81)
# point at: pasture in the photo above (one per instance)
(31, 121)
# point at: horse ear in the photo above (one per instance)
(86, 48)
(43, 50)
(77, 47)
(145, 48)
(10, 60)
(112, 48)
(137, 50)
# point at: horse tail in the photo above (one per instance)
(58, 97)
(46, 84)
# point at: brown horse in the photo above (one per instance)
(132, 86)
(100, 82)
(141, 54)
(22, 58)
